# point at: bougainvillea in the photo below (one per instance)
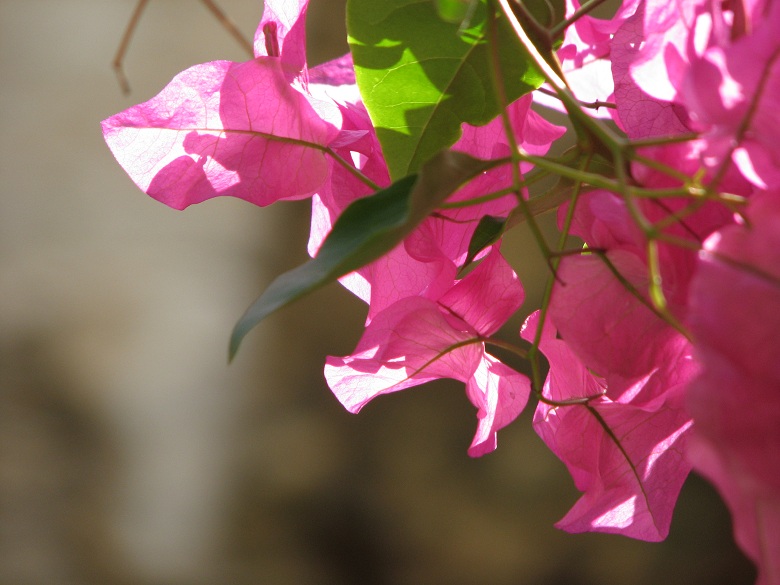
(420, 150)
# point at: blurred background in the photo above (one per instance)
(131, 453)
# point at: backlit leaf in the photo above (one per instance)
(421, 77)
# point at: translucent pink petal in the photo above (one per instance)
(608, 327)
(405, 346)
(631, 473)
(539, 134)
(500, 395)
(453, 228)
(732, 92)
(358, 145)
(415, 340)
(282, 33)
(739, 272)
(641, 114)
(665, 30)
(755, 516)
(338, 71)
(222, 128)
(399, 275)
(487, 296)
(588, 39)
(402, 347)
(426, 262)
(335, 81)
(585, 57)
(627, 459)
(568, 377)
(610, 323)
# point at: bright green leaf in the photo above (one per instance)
(421, 77)
(367, 229)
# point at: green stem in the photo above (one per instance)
(661, 168)
(498, 86)
(660, 140)
(531, 178)
(602, 182)
(519, 351)
(554, 262)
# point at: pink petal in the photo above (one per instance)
(732, 92)
(632, 470)
(735, 300)
(603, 323)
(665, 28)
(399, 275)
(405, 346)
(568, 377)
(402, 347)
(222, 128)
(338, 71)
(755, 515)
(455, 227)
(735, 316)
(641, 114)
(589, 38)
(630, 485)
(487, 296)
(500, 395)
(282, 33)
(615, 333)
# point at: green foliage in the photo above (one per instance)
(421, 77)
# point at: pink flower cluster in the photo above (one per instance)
(660, 334)
(708, 68)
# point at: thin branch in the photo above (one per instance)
(119, 58)
(230, 26)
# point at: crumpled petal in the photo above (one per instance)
(405, 345)
(631, 482)
(732, 93)
(487, 296)
(500, 395)
(628, 459)
(418, 339)
(603, 321)
(222, 128)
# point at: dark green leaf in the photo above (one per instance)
(489, 230)
(366, 230)
(421, 77)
